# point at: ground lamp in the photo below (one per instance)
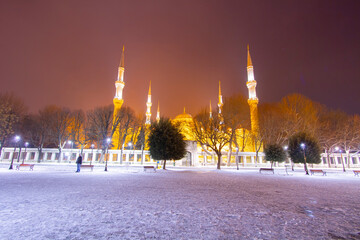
(108, 140)
(17, 139)
(305, 167)
(342, 160)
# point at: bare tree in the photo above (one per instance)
(236, 115)
(328, 130)
(300, 114)
(102, 124)
(35, 128)
(12, 110)
(78, 129)
(59, 121)
(349, 135)
(210, 132)
(272, 121)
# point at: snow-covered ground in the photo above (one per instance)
(54, 202)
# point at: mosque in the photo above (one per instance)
(196, 153)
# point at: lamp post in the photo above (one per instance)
(342, 160)
(108, 140)
(17, 139)
(305, 167)
(26, 145)
(92, 153)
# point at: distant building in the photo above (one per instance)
(185, 120)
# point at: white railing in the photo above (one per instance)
(138, 157)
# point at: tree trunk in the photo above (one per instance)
(328, 158)
(271, 164)
(237, 159)
(1, 147)
(121, 154)
(142, 154)
(348, 157)
(164, 165)
(219, 160)
(60, 158)
(229, 155)
(40, 151)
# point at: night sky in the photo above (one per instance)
(67, 52)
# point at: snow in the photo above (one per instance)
(54, 202)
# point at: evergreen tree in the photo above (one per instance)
(304, 149)
(274, 153)
(166, 142)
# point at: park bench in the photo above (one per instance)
(356, 172)
(313, 171)
(266, 170)
(87, 166)
(149, 168)
(25, 165)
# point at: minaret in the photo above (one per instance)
(253, 100)
(119, 85)
(148, 105)
(220, 104)
(158, 113)
(118, 99)
(210, 110)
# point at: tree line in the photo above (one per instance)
(54, 126)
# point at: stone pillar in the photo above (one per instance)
(53, 155)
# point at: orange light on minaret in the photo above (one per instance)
(158, 113)
(253, 100)
(148, 105)
(220, 104)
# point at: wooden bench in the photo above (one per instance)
(356, 172)
(313, 171)
(87, 166)
(25, 165)
(149, 168)
(266, 170)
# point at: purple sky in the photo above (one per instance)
(67, 52)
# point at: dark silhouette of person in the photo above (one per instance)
(78, 163)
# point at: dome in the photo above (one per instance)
(183, 116)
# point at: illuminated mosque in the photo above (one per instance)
(196, 152)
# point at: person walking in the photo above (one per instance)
(78, 163)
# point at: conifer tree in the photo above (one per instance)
(166, 142)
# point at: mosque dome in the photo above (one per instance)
(183, 117)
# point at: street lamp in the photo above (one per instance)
(26, 145)
(108, 140)
(342, 160)
(17, 139)
(305, 167)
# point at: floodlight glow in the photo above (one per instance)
(26, 144)
(302, 145)
(17, 138)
